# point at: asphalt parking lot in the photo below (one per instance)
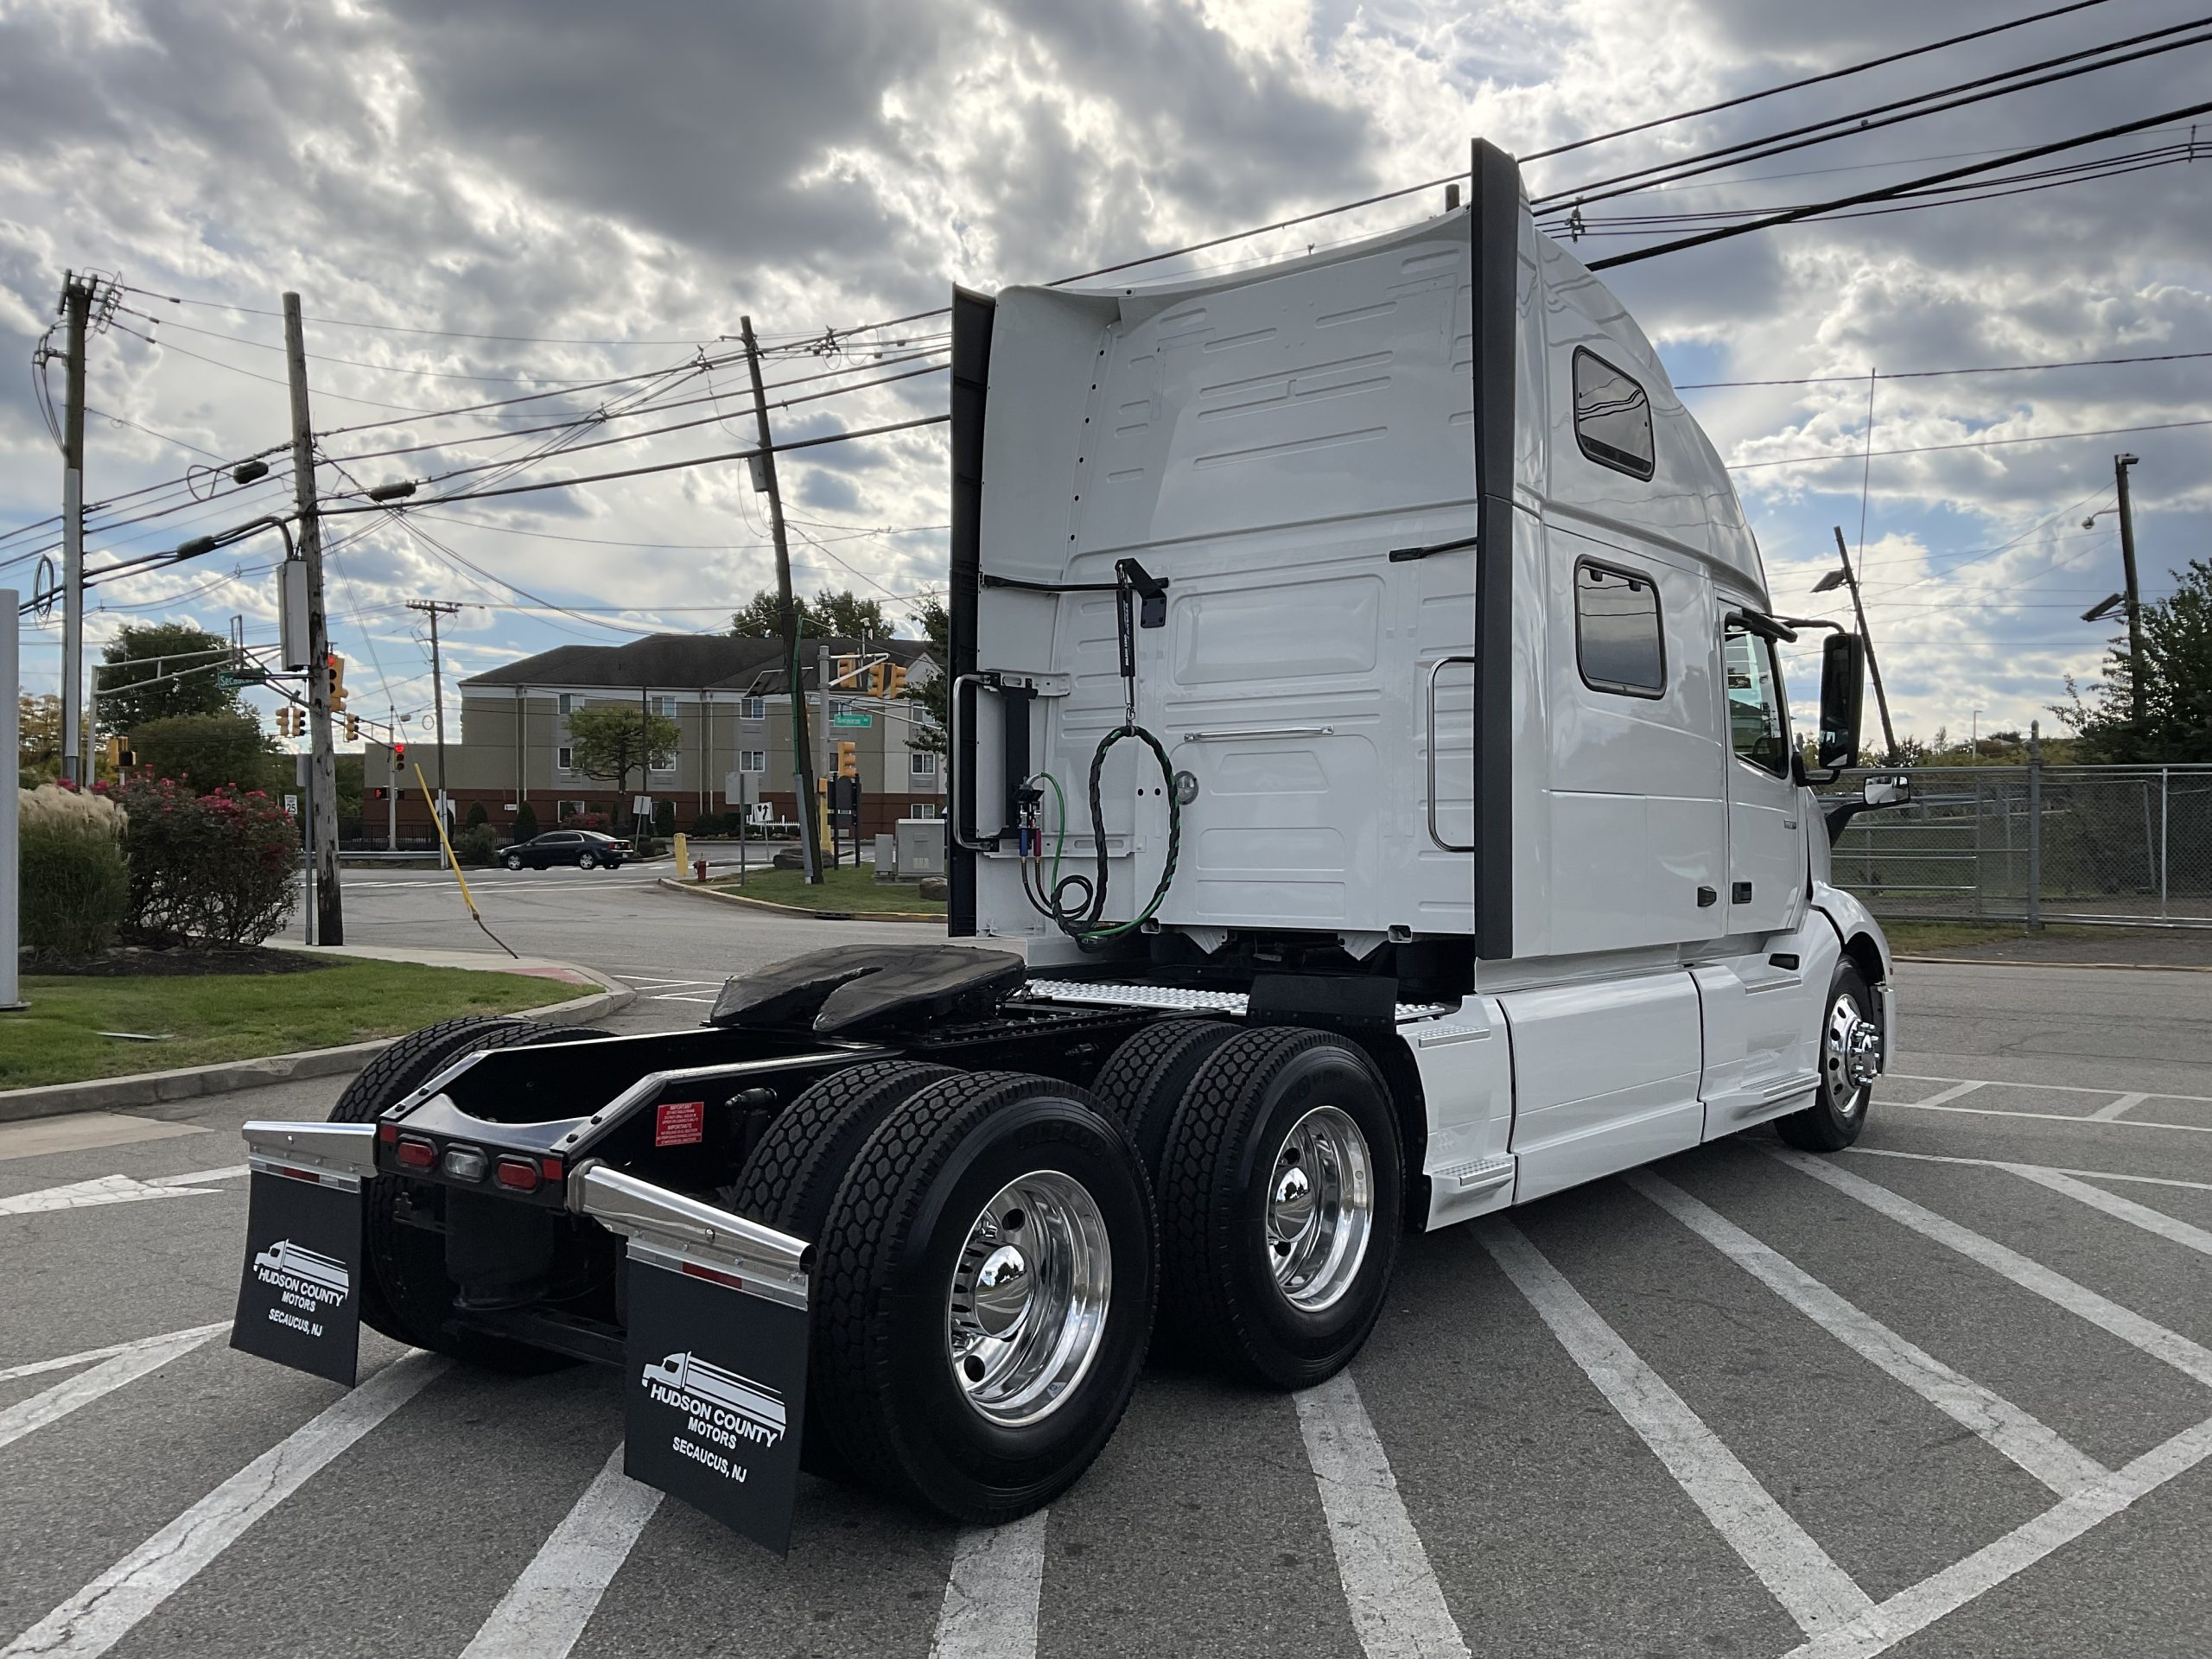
(1949, 1393)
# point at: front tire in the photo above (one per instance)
(514, 861)
(587, 860)
(985, 1282)
(1851, 1058)
(1282, 1195)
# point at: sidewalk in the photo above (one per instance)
(600, 995)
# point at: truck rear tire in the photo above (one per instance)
(406, 1293)
(1143, 1082)
(1281, 1194)
(791, 1177)
(1838, 1113)
(984, 1287)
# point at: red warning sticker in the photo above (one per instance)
(679, 1123)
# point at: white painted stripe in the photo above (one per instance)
(2014, 1433)
(1397, 1606)
(2054, 1088)
(70, 1361)
(2118, 1108)
(88, 1195)
(1913, 1610)
(193, 1177)
(1944, 1097)
(2044, 1117)
(2150, 1220)
(1811, 1589)
(2105, 1314)
(113, 1605)
(546, 1609)
(57, 1402)
(681, 996)
(990, 1597)
(2056, 1169)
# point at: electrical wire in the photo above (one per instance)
(1969, 443)
(1930, 374)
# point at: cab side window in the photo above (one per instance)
(1612, 416)
(1758, 725)
(1618, 639)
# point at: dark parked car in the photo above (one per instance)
(585, 849)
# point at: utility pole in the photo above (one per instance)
(763, 477)
(322, 762)
(76, 307)
(1873, 668)
(434, 608)
(2136, 665)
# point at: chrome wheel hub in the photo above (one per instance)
(1026, 1312)
(1320, 1209)
(1851, 1054)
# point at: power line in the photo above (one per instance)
(348, 362)
(1969, 443)
(1930, 374)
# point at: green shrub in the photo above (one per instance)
(477, 815)
(525, 821)
(478, 845)
(216, 868)
(73, 882)
(707, 823)
(663, 817)
(210, 750)
(647, 847)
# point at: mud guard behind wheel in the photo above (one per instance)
(300, 1291)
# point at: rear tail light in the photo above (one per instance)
(414, 1152)
(387, 1132)
(465, 1164)
(516, 1174)
(551, 1167)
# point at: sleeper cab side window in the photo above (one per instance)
(1612, 418)
(1757, 730)
(1617, 637)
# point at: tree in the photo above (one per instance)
(135, 691)
(846, 614)
(525, 821)
(38, 737)
(613, 740)
(2176, 675)
(761, 619)
(933, 692)
(208, 751)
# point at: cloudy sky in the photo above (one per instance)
(485, 201)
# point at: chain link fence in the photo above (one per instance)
(2116, 845)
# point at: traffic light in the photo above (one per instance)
(284, 720)
(119, 754)
(398, 756)
(352, 729)
(848, 759)
(337, 682)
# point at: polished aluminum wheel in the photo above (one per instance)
(1851, 1055)
(1320, 1209)
(1027, 1314)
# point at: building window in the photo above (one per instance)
(1757, 729)
(570, 810)
(1612, 418)
(921, 763)
(752, 760)
(1617, 637)
(752, 708)
(840, 707)
(568, 701)
(664, 707)
(922, 810)
(567, 758)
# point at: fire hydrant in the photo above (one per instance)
(699, 869)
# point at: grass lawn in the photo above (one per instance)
(1915, 937)
(240, 1016)
(843, 888)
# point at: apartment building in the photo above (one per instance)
(730, 699)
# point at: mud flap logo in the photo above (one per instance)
(717, 1387)
(298, 1304)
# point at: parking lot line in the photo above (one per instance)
(70, 1361)
(2016, 1434)
(2150, 1220)
(546, 1609)
(2118, 1108)
(90, 1195)
(1944, 1097)
(1811, 1589)
(54, 1403)
(2048, 1117)
(990, 1610)
(2178, 1352)
(2056, 1169)
(1397, 1606)
(2049, 1088)
(1942, 1593)
(113, 1605)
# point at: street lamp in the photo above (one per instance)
(2104, 607)
(1973, 733)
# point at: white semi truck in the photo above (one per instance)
(1374, 804)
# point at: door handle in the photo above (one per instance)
(1740, 893)
(1706, 898)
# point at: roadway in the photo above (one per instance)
(1949, 1393)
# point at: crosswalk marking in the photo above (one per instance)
(2105, 1314)
(1811, 1589)
(990, 1610)
(546, 1609)
(87, 1195)
(2010, 1431)
(2141, 1215)
(70, 1361)
(1397, 1606)
(1942, 1593)
(113, 1605)
(54, 1403)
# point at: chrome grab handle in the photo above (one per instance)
(673, 1230)
(1264, 731)
(952, 740)
(1434, 835)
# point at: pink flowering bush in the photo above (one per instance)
(585, 820)
(217, 868)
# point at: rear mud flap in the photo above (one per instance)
(300, 1292)
(715, 1385)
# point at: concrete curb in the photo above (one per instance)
(2016, 961)
(226, 1076)
(697, 892)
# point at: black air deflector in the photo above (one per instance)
(1494, 227)
(854, 988)
(972, 317)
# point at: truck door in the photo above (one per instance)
(1766, 877)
